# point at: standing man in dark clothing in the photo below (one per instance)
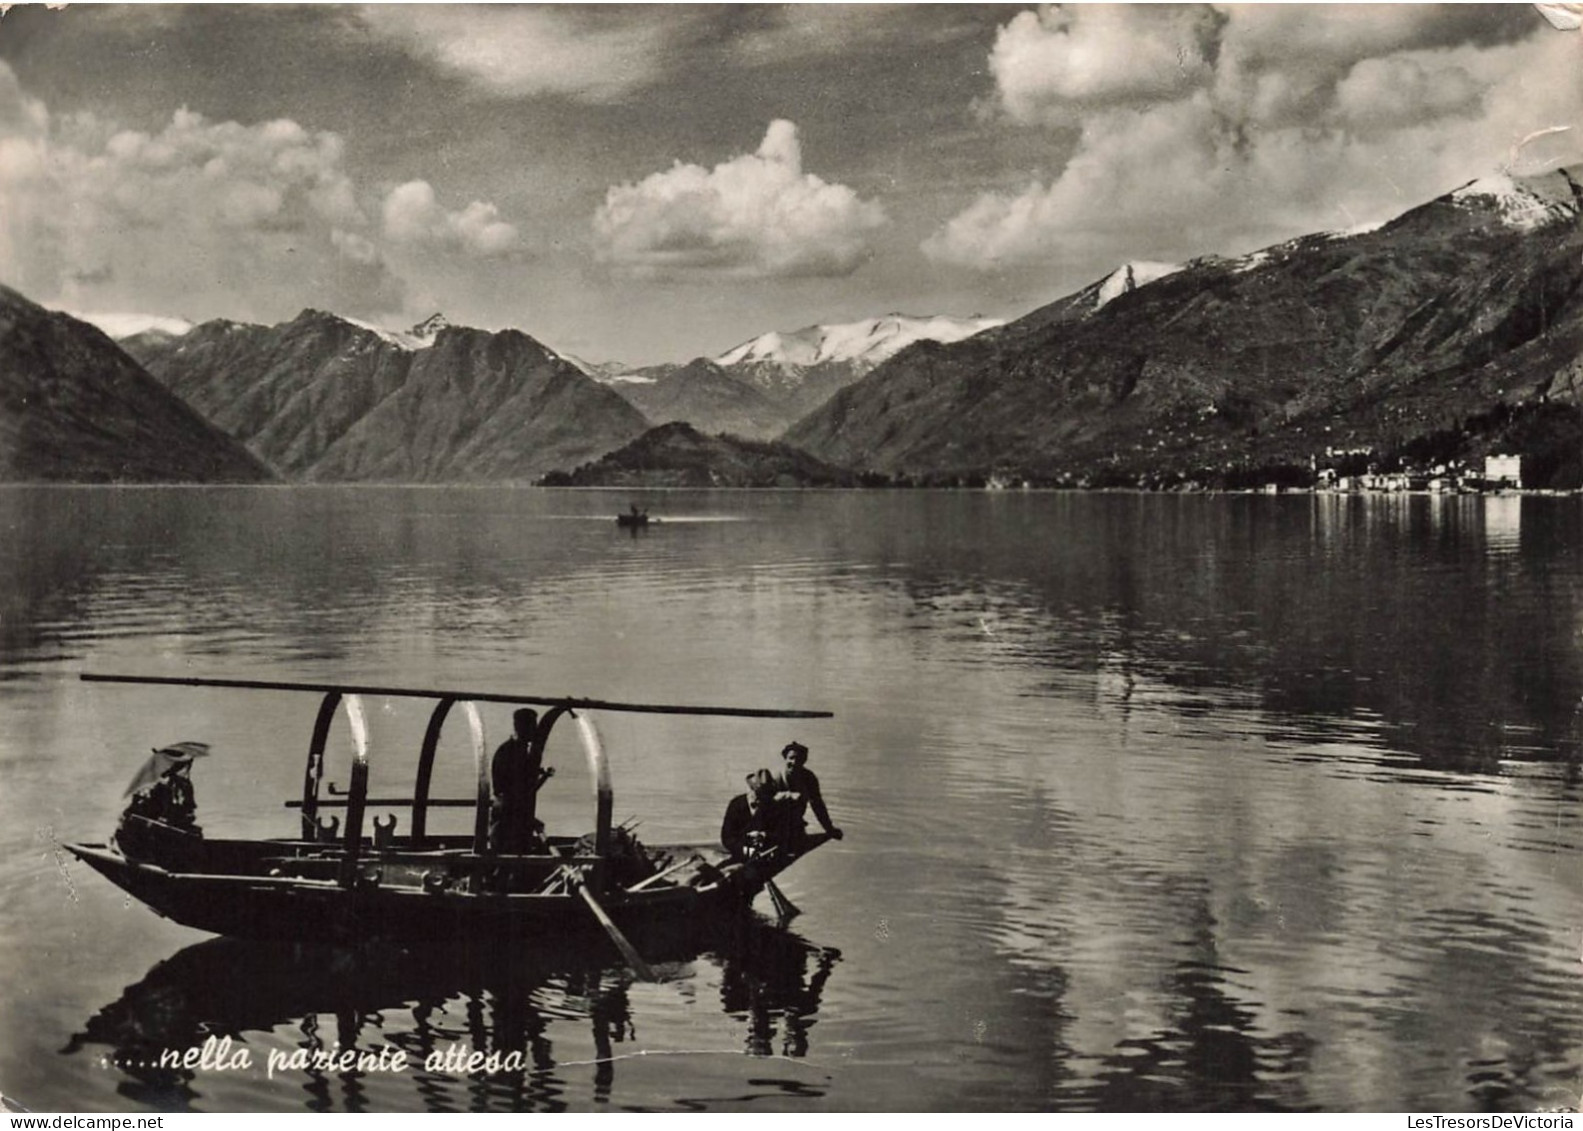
(799, 790)
(755, 821)
(516, 773)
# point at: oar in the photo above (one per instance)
(784, 908)
(628, 951)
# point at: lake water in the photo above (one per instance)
(1151, 802)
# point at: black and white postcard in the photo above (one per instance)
(802, 558)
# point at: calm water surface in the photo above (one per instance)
(1151, 802)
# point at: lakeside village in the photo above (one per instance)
(1340, 471)
(1499, 473)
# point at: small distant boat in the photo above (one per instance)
(634, 518)
(341, 884)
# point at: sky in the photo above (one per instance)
(657, 182)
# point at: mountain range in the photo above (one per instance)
(1454, 329)
(329, 398)
(1366, 340)
(75, 408)
(760, 387)
(324, 398)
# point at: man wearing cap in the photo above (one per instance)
(798, 787)
(755, 821)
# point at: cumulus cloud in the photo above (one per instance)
(20, 113)
(1174, 153)
(25, 176)
(1400, 90)
(274, 176)
(1058, 62)
(356, 248)
(204, 217)
(1286, 36)
(413, 217)
(1277, 120)
(773, 34)
(198, 213)
(580, 53)
(757, 214)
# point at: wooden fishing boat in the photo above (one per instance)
(355, 883)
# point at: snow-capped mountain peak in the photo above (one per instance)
(1131, 276)
(1524, 203)
(429, 329)
(602, 371)
(420, 337)
(798, 348)
(863, 344)
(121, 326)
(1362, 228)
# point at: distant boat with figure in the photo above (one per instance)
(634, 517)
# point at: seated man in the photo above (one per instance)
(798, 788)
(755, 822)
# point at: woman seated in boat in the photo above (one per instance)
(162, 794)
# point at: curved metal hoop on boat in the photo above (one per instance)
(420, 788)
(426, 756)
(594, 748)
(313, 773)
(357, 721)
(599, 770)
(475, 727)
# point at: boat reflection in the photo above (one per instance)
(773, 980)
(276, 1000)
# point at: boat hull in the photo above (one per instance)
(311, 909)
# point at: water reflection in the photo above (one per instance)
(438, 1006)
(1210, 1055)
(1446, 626)
(1503, 523)
(1451, 620)
(773, 980)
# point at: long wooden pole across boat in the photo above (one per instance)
(478, 697)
